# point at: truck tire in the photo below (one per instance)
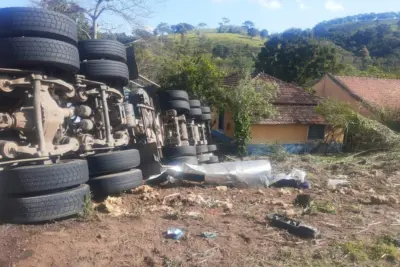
(174, 95)
(194, 112)
(33, 209)
(203, 158)
(179, 151)
(107, 71)
(36, 22)
(201, 149)
(213, 159)
(38, 54)
(111, 162)
(212, 148)
(102, 49)
(205, 117)
(180, 160)
(206, 110)
(41, 178)
(181, 106)
(194, 103)
(116, 183)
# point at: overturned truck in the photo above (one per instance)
(66, 127)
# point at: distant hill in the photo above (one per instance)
(375, 36)
(232, 41)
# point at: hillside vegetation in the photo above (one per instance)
(228, 39)
(365, 45)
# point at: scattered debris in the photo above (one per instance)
(284, 191)
(383, 200)
(303, 200)
(178, 199)
(209, 235)
(349, 191)
(113, 206)
(245, 238)
(172, 215)
(334, 183)
(194, 215)
(174, 233)
(146, 192)
(371, 191)
(222, 188)
(290, 212)
(100, 236)
(295, 179)
(142, 189)
(278, 203)
(259, 191)
(292, 226)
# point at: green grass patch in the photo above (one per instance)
(360, 252)
(88, 207)
(322, 207)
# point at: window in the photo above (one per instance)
(316, 132)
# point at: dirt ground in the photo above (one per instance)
(359, 223)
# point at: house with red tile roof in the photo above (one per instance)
(368, 96)
(297, 126)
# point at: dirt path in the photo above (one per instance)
(237, 216)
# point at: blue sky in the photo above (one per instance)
(274, 15)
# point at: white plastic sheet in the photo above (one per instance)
(239, 174)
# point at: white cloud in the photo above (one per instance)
(302, 5)
(270, 4)
(333, 5)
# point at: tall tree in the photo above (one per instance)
(202, 25)
(197, 74)
(225, 21)
(301, 61)
(163, 28)
(248, 24)
(182, 29)
(253, 32)
(248, 102)
(132, 11)
(70, 9)
(264, 34)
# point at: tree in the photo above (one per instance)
(197, 74)
(264, 34)
(202, 25)
(121, 37)
(253, 32)
(293, 33)
(182, 29)
(163, 28)
(248, 102)
(301, 61)
(93, 10)
(143, 34)
(225, 21)
(221, 51)
(70, 9)
(248, 24)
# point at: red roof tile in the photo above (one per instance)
(287, 94)
(295, 114)
(382, 93)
